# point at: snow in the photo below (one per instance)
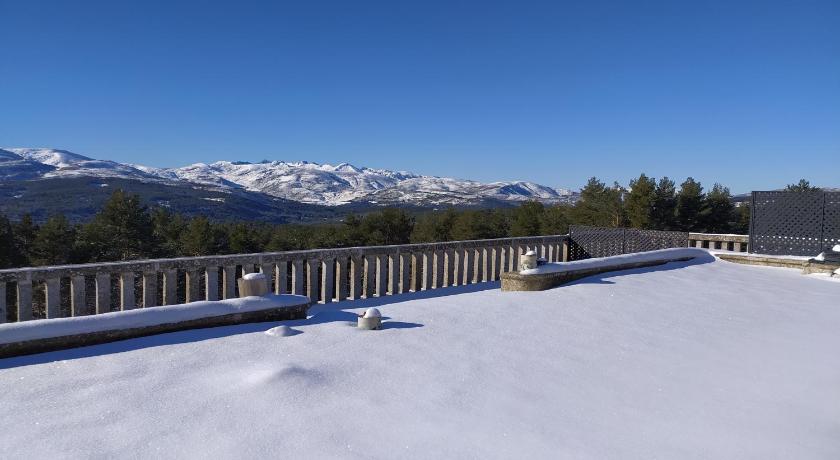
(253, 276)
(600, 262)
(31, 330)
(700, 359)
(372, 313)
(282, 331)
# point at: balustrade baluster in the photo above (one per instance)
(127, 301)
(150, 289)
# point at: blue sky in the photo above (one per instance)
(742, 93)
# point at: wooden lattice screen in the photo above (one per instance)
(586, 242)
(794, 223)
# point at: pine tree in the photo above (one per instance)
(556, 220)
(53, 243)
(241, 240)
(689, 206)
(201, 238)
(640, 202)
(527, 219)
(664, 205)
(25, 231)
(719, 212)
(434, 226)
(8, 254)
(390, 226)
(599, 205)
(122, 230)
(802, 186)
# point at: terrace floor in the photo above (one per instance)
(687, 360)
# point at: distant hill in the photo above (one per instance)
(48, 181)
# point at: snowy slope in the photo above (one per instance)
(683, 361)
(303, 182)
(69, 164)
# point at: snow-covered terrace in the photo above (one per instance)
(698, 359)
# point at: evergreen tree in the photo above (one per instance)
(640, 202)
(53, 243)
(527, 219)
(664, 205)
(742, 219)
(121, 231)
(479, 225)
(25, 231)
(201, 238)
(8, 254)
(689, 206)
(802, 186)
(719, 210)
(599, 205)
(434, 226)
(168, 228)
(241, 239)
(390, 226)
(556, 220)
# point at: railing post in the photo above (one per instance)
(150, 289)
(281, 271)
(127, 291)
(393, 273)
(268, 271)
(192, 286)
(449, 269)
(327, 280)
(170, 287)
(428, 260)
(736, 246)
(381, 275)
(698, 243)
(211, 283)
(469, 266)
(229, 281)
(565, 251)
(24, 298)
(357, 277)
(439, 269)
(340, 278)
(2, 302)
(103, 293)
(370, 275)
(297, 277)
(405, 273)
(312, 279)
(78, 306)
(52, 295)
(486, 254)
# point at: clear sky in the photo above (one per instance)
(746, 93)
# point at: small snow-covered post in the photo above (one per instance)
(252, 284)
(370, 320)
(528, 260)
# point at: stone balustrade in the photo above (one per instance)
(724, 242)
(323, 275)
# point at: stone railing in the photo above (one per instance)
(725, 242)
(324, 275)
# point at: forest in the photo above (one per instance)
(126, 229)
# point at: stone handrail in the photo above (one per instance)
(722, 241)
(323, 275)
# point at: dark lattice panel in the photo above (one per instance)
(636, 240)
(589, 242)
(789, 223)
(831, 219)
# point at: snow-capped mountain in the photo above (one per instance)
(303, 182)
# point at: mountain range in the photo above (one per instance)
(43, 181)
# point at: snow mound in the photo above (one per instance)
(253, 276)
(282, 331)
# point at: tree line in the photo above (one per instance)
(125, 229)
